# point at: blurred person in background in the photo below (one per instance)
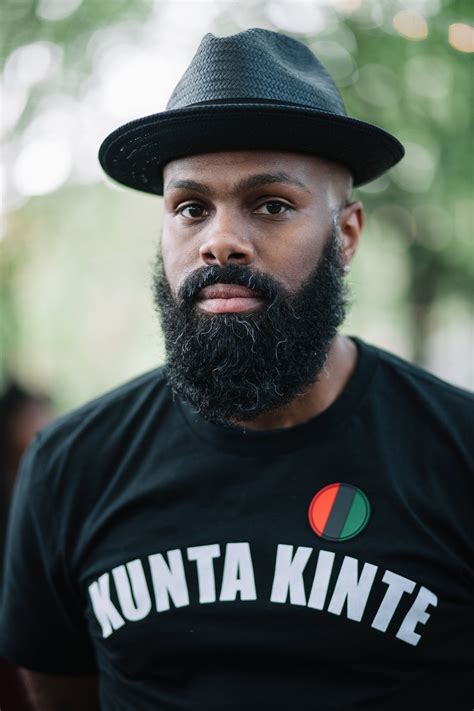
(22, 415)
(280, 517)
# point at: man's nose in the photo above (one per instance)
(226, 243)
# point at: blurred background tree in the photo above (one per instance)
(77, 316)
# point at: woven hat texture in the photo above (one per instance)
(254, 90)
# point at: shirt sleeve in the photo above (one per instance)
(42, 625)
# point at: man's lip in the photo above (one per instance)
(227, 291)
(229, 298)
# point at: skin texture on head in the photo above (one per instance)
(270, 211)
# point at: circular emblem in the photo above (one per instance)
(339, 512)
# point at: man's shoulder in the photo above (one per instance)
(105, 418)
(420, 375)
(407, 379)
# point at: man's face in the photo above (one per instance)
(240, 210)
(249, 285)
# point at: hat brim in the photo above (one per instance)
(135, 154)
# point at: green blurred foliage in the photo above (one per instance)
(422, 92)
(21, 24)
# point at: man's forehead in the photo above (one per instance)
(249, 169)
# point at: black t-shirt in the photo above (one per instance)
(325, 566)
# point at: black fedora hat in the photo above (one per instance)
(253, 90)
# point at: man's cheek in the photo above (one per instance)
(177, 265)
(299, 273)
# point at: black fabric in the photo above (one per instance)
(179, 530)
(256, 89)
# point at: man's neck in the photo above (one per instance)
(338, 370)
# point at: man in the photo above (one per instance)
(280, 517)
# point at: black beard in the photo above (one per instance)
(233, 367)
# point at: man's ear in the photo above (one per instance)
(351, 224)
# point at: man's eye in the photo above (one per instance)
(194, 210)
(274, 207)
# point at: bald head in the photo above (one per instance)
(308, 171)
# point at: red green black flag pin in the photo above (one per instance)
(339, 512)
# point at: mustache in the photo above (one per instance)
(236, 274)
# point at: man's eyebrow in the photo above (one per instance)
(188, 185)
(247, 183)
